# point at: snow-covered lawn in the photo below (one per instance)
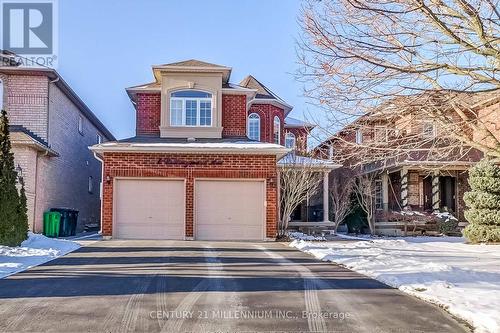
(464, 279)
(34, 251)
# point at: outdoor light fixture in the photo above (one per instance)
(19, 171)
(108, 179)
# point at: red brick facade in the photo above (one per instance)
(231, 167)
(267, 112)
(234, 120)
(300, 138)
(148, 114)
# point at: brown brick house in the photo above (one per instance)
(417, 180)
(51, 129)
(203, 162)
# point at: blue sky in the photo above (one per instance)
(106, 46)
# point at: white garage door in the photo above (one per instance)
(149, 209)
(229, 210)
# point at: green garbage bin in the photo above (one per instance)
(51, 224)
(69, 219)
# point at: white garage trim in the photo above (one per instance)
(115, 197)
(263, 219)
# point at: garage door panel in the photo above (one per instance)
(229, 233)
(149, 209)
(229, 210)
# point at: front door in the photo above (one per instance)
(447, 189)
(427, 193)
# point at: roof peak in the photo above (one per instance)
(194, 63)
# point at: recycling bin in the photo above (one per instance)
(69, 219)
(51, 224)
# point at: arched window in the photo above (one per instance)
(190, 108)
(277, 130)
(1, 95)
(254, 127)
(290, 140)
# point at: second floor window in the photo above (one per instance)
(80, 125)
(190, 108)
(254, 127)
(277, 130)
(429, 129)
(331, 152)
(290, 140)
(359, 137)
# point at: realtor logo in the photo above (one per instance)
(29, 29)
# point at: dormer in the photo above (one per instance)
(191, 98)
(184, 101)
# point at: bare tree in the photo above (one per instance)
(299, 180)
(364, 188)
(340, 194)
(398, 61)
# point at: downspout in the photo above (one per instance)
(101, 188)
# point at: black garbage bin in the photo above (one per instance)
(69, 218)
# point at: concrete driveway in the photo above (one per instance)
(170, 286)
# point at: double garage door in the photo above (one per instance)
(155, 209)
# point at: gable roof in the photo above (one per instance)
(193, 63)
(190, 66)
(264, 93)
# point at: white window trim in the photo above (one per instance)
(80, 124)
(434, 129)
(331, 152)
(359, 137)
(256, 119)
(277, 121)
(90, 184)
(290, 136)
(198, 102)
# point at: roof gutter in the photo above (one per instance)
(278, 152)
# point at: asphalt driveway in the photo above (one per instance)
(170, 286)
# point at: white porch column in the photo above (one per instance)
(326, 204)
(436, 200)
(385, 191)
(404, 188)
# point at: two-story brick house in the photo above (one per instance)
(203, 163)
(51, 129)
(424, 175)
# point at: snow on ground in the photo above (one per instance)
(462, 278)
(34, 251)
(302, 236)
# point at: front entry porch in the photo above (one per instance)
(417, 196)
(312, 213)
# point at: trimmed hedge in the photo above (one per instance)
(483, 202)
(482, 233)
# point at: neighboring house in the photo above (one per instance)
(51, 130)
(416, 180)
(203, 163)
